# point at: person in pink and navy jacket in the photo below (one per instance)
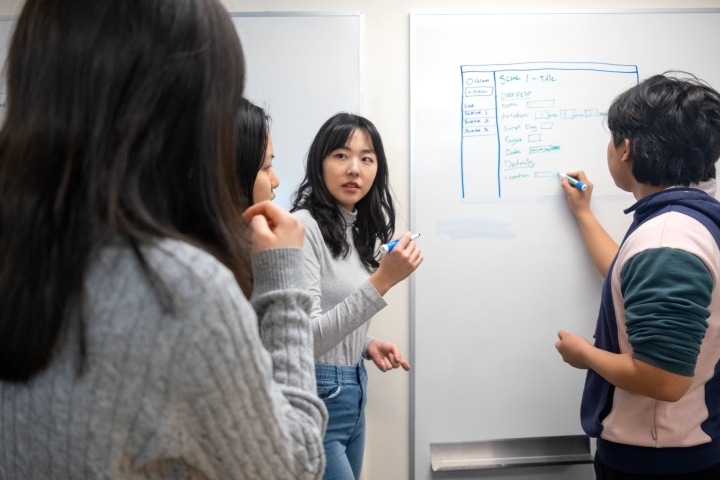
(652, 393)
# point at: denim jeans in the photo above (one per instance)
(343, 389)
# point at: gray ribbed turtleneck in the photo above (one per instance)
(344, 300)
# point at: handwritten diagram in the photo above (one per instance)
(522, 123)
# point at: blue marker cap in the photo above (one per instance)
(387, 248)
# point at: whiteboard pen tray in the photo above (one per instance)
(510, 452)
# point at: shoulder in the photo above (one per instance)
(305, 217)
(178, 275)
(673, 230)
(187, 269)
(312, 229)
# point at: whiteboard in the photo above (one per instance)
(500, 102)
(302, 67)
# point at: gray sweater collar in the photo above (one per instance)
(348, 216)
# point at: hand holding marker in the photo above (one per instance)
(573, 182)
(387, 248)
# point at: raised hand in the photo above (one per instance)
(273, 227)
(578, 200)
(397, 265)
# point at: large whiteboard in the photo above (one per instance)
(302, 67)
(500, 101)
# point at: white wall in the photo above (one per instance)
(387, 33)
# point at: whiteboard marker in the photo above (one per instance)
(390, 245)
(574, 182)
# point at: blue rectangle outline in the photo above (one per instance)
(462, 67)
(497, 126)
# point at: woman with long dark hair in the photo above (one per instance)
(347, 209)
(127, 348)
(255, 154)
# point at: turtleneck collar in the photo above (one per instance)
(348, 216)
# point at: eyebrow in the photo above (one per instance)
(364, 151)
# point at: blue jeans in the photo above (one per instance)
(343, 389)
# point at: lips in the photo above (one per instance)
(351, 187)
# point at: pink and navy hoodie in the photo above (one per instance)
(661, 303)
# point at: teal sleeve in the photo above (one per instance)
(667, 293)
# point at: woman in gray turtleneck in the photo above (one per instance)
(346, 207)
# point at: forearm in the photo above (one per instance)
(282, 305)
(636, 376)
(333, 326)
(601, 247)
(381, 284)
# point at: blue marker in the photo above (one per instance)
(390, 245)
(574, 182)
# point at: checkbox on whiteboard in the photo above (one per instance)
(546, 126)
(542, 115)
(535, 137)
(569, 113)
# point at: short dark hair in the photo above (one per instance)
(253, 125)
(375, 211)
(120, 124)
(673, 124)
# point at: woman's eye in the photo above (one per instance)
(368, 160)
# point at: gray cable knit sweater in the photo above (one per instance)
(194, 392)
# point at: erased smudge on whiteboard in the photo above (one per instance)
(475, 228)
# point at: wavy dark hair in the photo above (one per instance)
(673, 124)
(375, 211)
(253, 125)
(120, 125)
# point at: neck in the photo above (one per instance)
(642, 190)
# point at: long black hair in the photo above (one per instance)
(120, 124)
(375, 211)
(254, 125)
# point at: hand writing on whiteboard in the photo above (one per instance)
(578, 200)
(386, 355)
(572, 348)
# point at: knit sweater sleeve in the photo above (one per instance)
(251, 411)
(331, 327)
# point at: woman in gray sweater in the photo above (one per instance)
(346, 207)
(127, 347)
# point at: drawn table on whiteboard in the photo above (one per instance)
(522, 123)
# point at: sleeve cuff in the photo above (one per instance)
(277, 269)
(368, 339)
(375, 298)
(686, 369)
